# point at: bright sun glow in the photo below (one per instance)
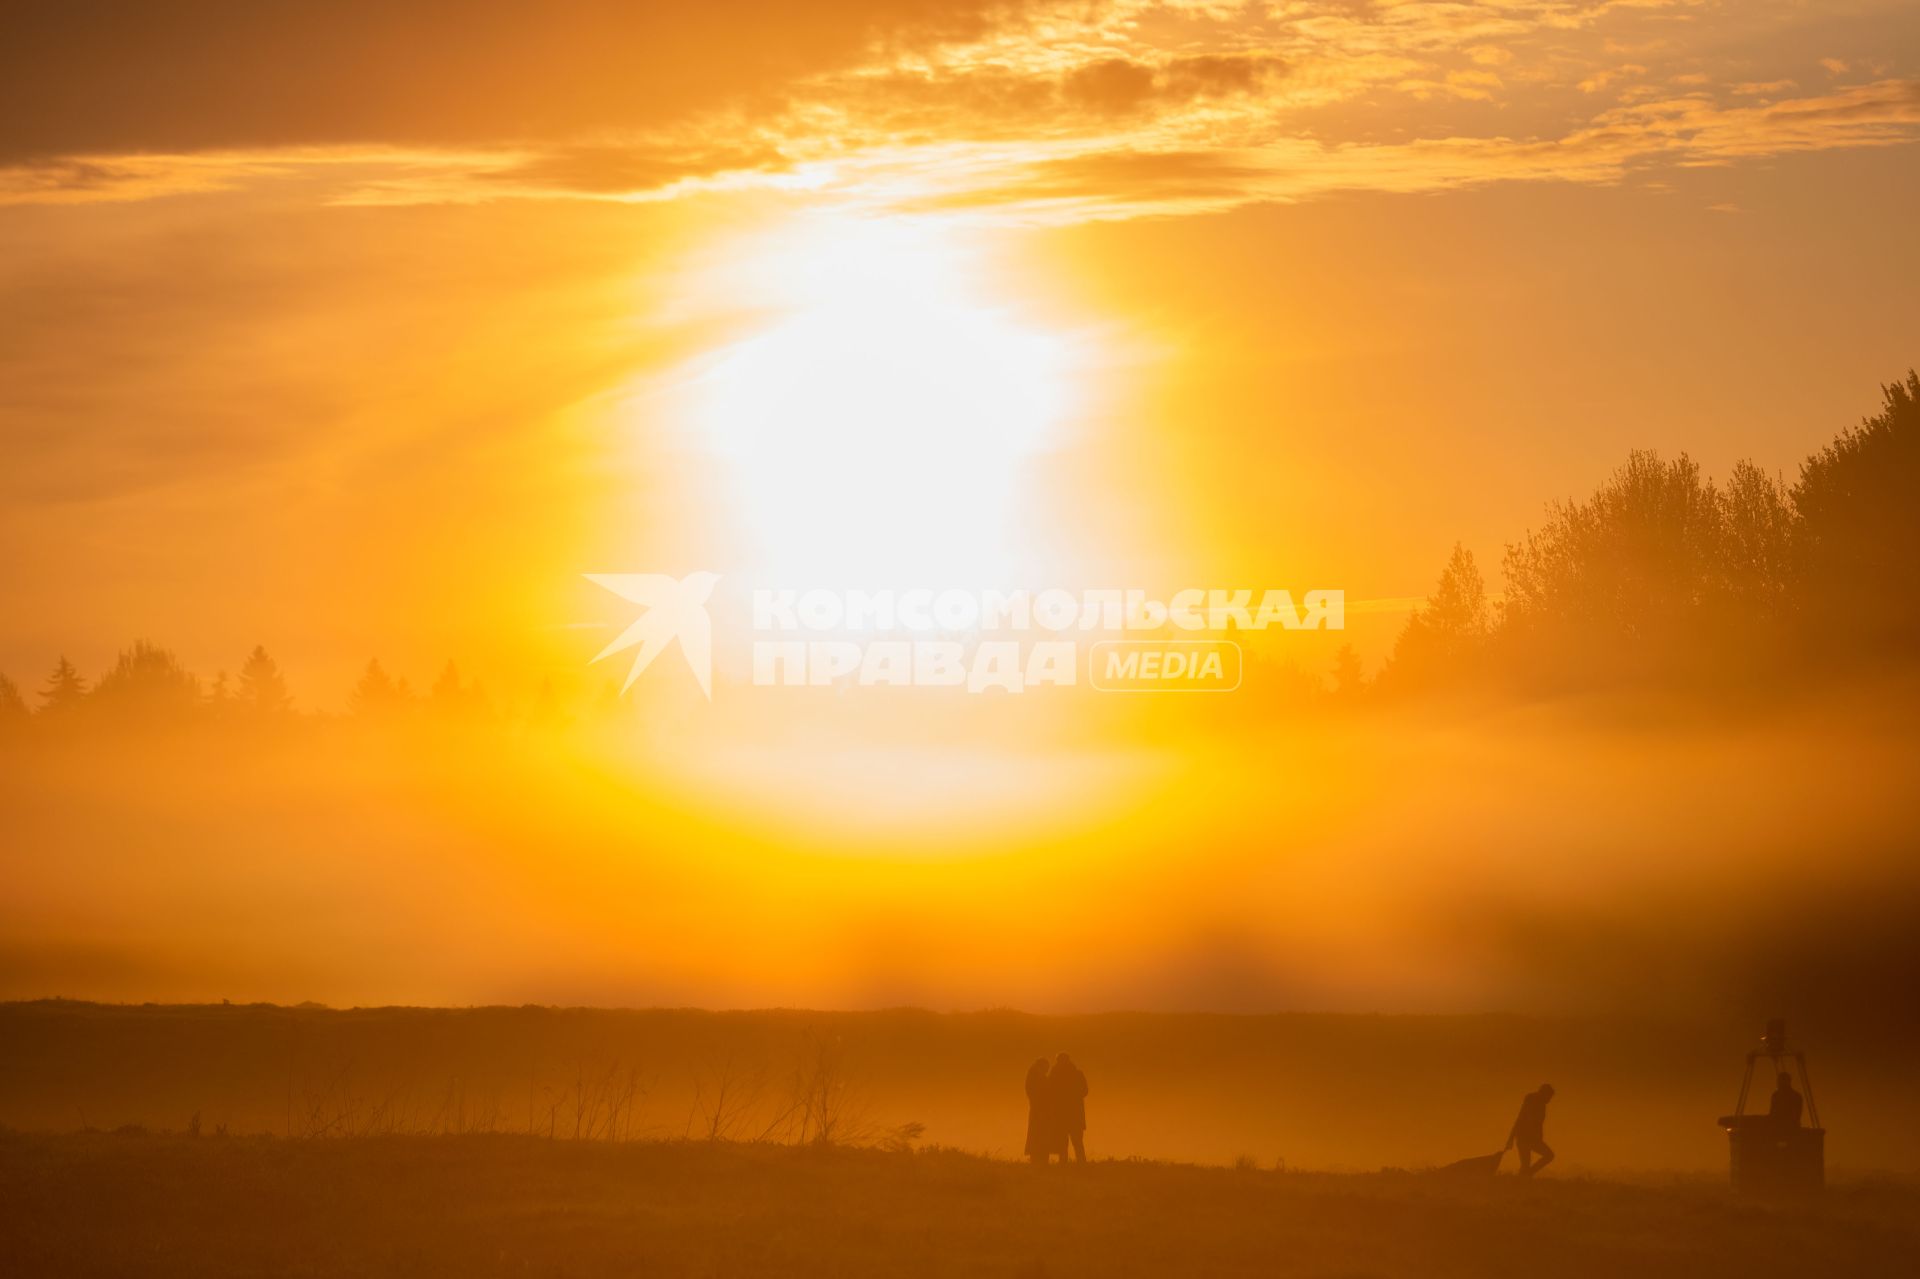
(880, 427)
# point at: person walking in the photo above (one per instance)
(1069, 1087)
(1529, 1131)
(1040, 1113)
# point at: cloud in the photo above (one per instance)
(1689, 131)
(90, 77)
(1111, 84)
(1051, 108)
(608, 169)
(986, 99)
(1602, 78)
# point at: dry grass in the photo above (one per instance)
(483, 1205)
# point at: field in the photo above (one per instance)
(1319, 1092)
(215, 1140)
(134, 1203)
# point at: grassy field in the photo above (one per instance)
(135, 1203)
(1322, 1092)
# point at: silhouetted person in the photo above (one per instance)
(1043, 1126)
(1787, 1103)
(1069, 1088)
(1529, 1131)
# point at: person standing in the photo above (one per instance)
(1069, 1087)
(1529, 1131)
(1040, 1113)
(1787, 1103)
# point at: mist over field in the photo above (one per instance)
(1637, 858)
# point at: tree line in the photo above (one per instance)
(148, 684)
(1663, 578)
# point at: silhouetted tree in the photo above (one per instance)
(148, 683)
(376, 693)
(13, 707)
(1661, 575)
(65, 690)
(1756, 539)
(1643, 546)
(1445, 636)
(220, 696)
(1617, 584)
(1349, 677)
(263, 691)
(1858, 546)
(453, 699)
(1273, 677)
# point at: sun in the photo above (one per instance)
(880, 425)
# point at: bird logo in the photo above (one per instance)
(676, 610)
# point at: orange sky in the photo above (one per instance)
(360, 329)
(356, 328)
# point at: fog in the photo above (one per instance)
(1644, 857)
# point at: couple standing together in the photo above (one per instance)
(1056, 1110)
